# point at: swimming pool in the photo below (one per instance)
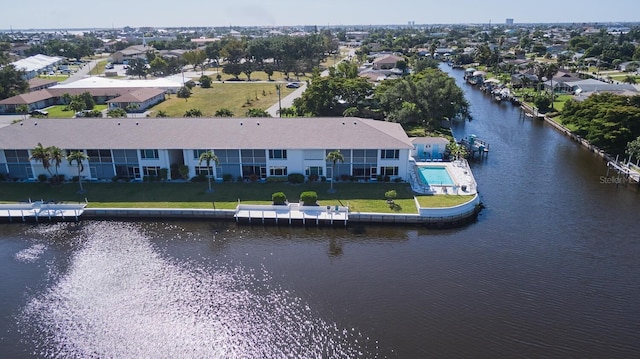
(435, 176)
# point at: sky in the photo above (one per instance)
(47, 14)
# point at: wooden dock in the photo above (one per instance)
(629, 171)
(292, 214)
(40, 210)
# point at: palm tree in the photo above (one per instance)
(56, 155)
(42, 154)
(23, 110)
(78, 157)
(208, 157)
(629, 80)
(334, 156)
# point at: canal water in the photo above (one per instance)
(550, 269)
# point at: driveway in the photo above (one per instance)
(286, 101)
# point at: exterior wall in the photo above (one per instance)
(3, 164)
(298, 161)
(163, 161)
(462, 210)
(429, 151)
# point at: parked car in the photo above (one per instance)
(83, 113)
(39, 113)
(293, 85)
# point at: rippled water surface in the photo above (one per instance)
(550, 269)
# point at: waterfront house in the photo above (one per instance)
(248, 148)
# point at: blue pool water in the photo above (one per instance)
(438, 176)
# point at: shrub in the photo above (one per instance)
(397, 179)
(323, 179)
(117, 112)
(190, 84)
(184, 92)
(253, 177)
(345, 177)
(162, 174)
(542, 102)
(2, 177)
(205, 81)
(296, 178)
(42, 177)
(391, 195)
(279, 198)
(277, 179)
(194, 112)
(309, 198)
(75, 179)
(184, 171)
(115, 178)
(386, 179)
(227, 177)
(199, 178)
(240, 179)
(313, 178)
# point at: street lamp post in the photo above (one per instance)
(279, 100)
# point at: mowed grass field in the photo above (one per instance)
(238, 97)
(360, 197)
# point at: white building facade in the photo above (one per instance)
(247, 148)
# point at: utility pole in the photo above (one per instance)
(279, 100)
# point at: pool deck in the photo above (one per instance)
(460, 172)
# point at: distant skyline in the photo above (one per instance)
(41, 14)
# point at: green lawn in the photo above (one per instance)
(58, 78)
(59, 112)
(360, 197)
(237, 97)
(443, 200)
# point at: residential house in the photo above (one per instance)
(386, 62)
(561, 82)
(589, 86)
(130, 53)
(137, 100)
(38, 83)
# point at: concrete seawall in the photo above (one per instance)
(564, 130)
(435, 217)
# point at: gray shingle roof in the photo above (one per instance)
(196, 133)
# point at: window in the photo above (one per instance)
(389, 171)
(198, 153)
(16, 156)
(150, 171)
(129, 157)
(318, 171)
(203, 170)
(277, 154)
(227, 156)
(149, 154)
(390, 154)
(99, 156)
(253, 156)
(277, 171)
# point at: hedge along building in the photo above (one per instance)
(253, 148)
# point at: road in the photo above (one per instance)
(288, 100)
